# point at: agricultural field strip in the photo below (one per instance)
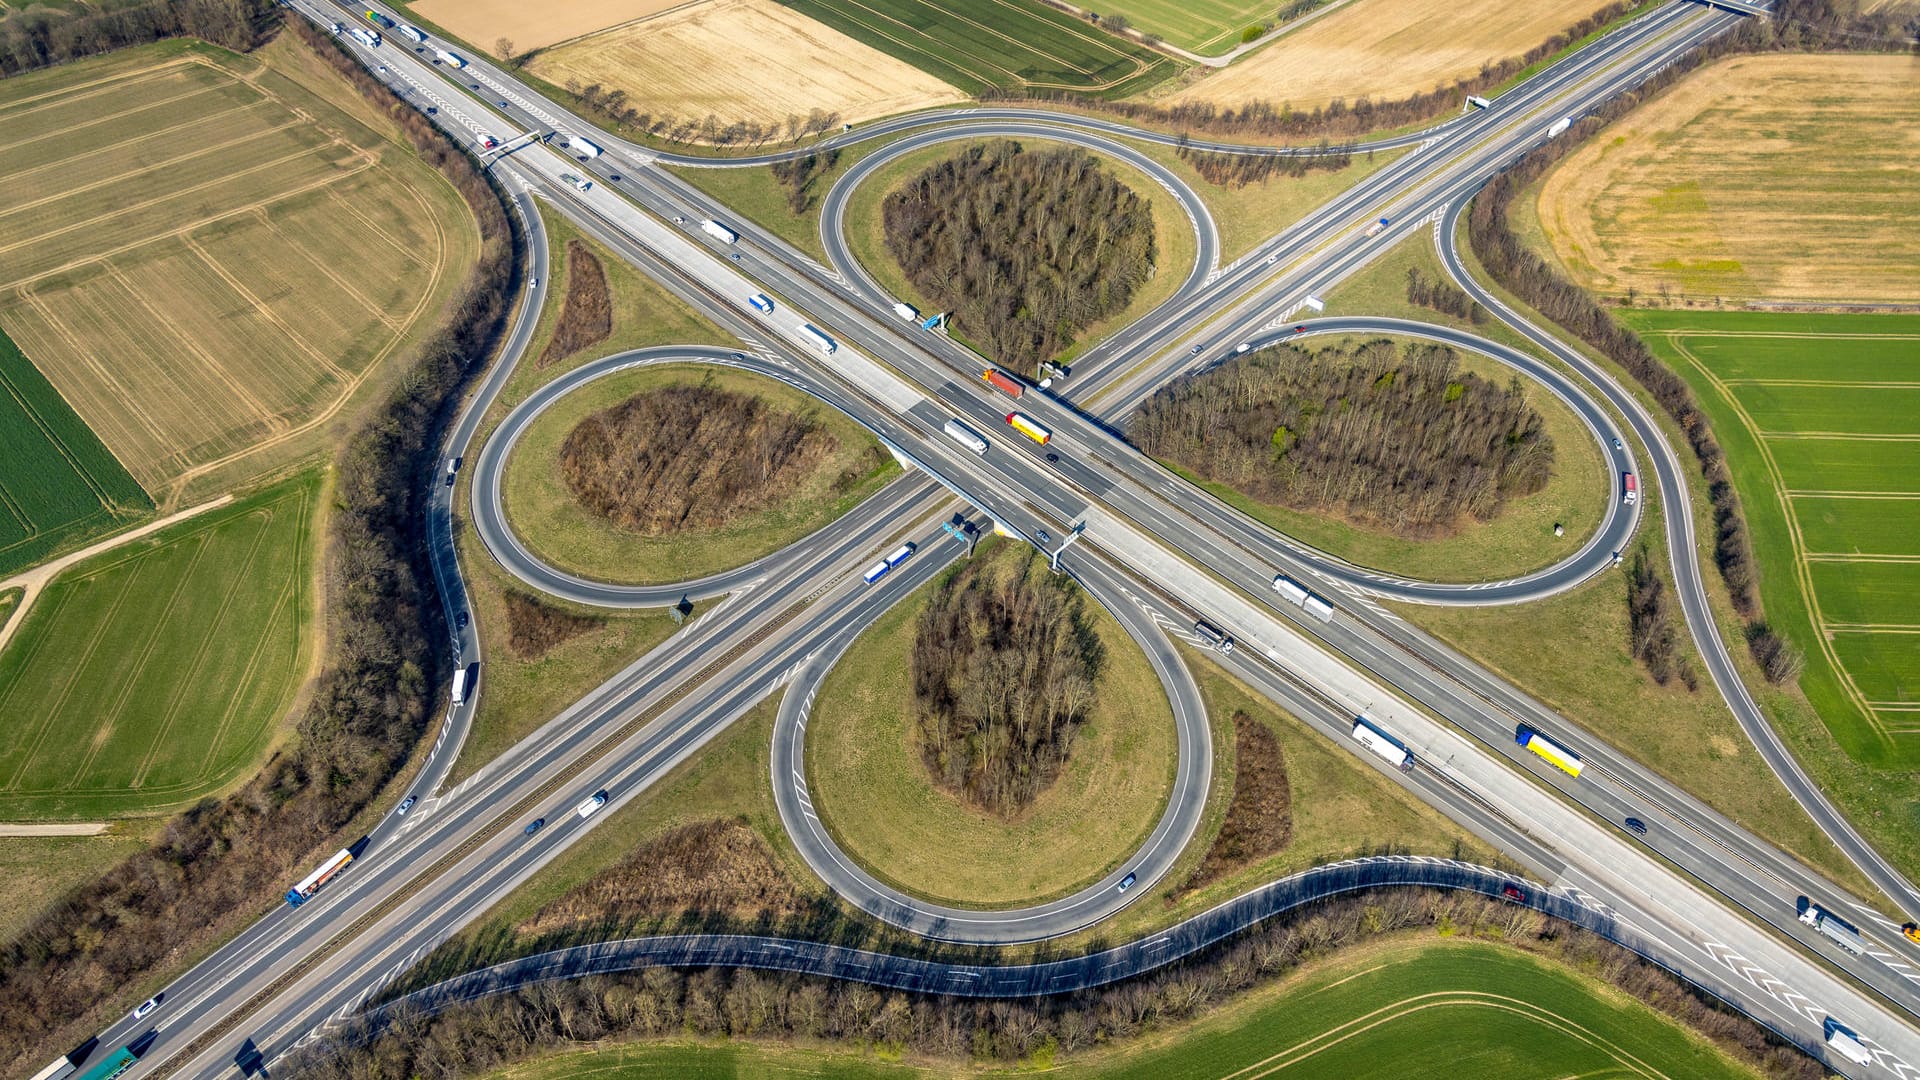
(1805, 559)
(890, 27)
(153, 626)
(1199, 25)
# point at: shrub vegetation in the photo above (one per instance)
(1259, 820)
(1004, 665)
(587, 316)
(534, 626)
(1026, 248)
(689, 457)
(1396, 438)
(1653, 640)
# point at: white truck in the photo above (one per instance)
(1559, 127)
(1844, 1044)
(1292, 591)
(463, 680)
(907, 312)
(762, 303)
(413, 33)
(452, 60)
(1837, 931)
(719, 232)
(1384, 746)
(367, 37)
(820, 339)
(580, 182)
(1480, 103)
(581, 148)
(1317, 607)
(965, 436)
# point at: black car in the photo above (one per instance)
(1636, 826)
(1053, 457)
(535, 827)
(460, 620)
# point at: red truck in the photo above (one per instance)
(1004, 383)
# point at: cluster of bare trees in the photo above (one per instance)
(1239, 170)
(796, 177)
(1026, 248)
(1004, 665)
(33, 36)
(1796, 24)
(1443, 296)
(535, 627)
(1259, 819)
(659, 1003)
(1340, 118)
(718, 866)
(587, 316)
(1397, 438)
(689, 457)
(217, 863)
(610, 104)
(1652, 638)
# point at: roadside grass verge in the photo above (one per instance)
(518, 695)
(876, 796)
(155, 673)
(1174, 241)
(40, 870)
(544, 512)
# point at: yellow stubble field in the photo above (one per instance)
(207, 257)
(743, 60)
(534, 26)
(1385, 49)
(1774, 177)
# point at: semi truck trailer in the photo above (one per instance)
(716, 230)
(452, 60)
(1552, 752)
(379, 20)
(907, 312)
(1838, 931)
(413, 33)
(1025, 425)
(1629, 489)
(1384, 746)
(311, 884)
(367, 37)
(1002, 382)
(965, 436)
(820, 339)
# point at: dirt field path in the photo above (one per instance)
(63, 828)
(32, 581)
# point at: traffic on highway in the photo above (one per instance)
(1608, 843)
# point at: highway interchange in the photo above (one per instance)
(1157, 552)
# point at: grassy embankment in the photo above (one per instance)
(524, 692)
(547, 516)
(1418, 1006)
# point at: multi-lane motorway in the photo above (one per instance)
(786, 616)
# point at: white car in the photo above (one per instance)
(586, 809)
(146, 1007)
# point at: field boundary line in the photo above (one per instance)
(232, 211)
(35, 579)
(242, 393)
(1842, 383)
(1800, 493)
(1858, 557)
(344, 284)
(95, 85)
(1802, 572)
(54, 439)
(192, 91)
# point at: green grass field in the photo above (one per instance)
(1414, 1009)
(1008, 45)
(879, 801)
(1820, 418)
(59, 485)
(1208, 27)
(153, 674)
